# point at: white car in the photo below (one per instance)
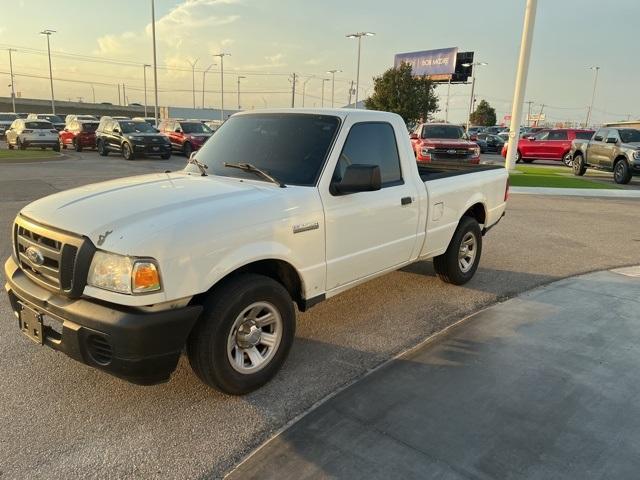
(279, 208)
(25, 133)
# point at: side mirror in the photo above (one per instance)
(413, 136)
(358, 178)
(116, 130)
(178, 130)
(612, 140)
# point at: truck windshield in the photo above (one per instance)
(442, 131)
(291, 147)
(195, 127)
(630, 135)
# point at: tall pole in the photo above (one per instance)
(93, 93)
(239, 78)
(124, 94)
(350, 92)
(529, 113)
(155, 63)
(193, 80)
(446, 108)
(293, 90)
(48, 33)
(119, 99)
(144, 74)
(322, 96)
(304, 89)
(521, 82)
(222, 55)
(359, 36)
(204, 74)
(540, 114)
(593, 95)
(473, 87)
(13, 89)
(333, 85)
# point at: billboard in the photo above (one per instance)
(436, 63)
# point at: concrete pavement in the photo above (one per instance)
(541, 386)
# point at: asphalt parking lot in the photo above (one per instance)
(62, 419)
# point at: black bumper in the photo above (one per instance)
(151, 149)
(141, 347)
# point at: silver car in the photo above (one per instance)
(24, 133)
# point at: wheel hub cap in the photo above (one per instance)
(467, 252)
(248, 335)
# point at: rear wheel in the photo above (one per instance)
(244, 334)
(102, 149)
(579, 168)
(9, 145)
(518, 157)
(621, 172)
(62, 145)
(127, 152)
(20, 145)
(459, 263)
(56, 147)
(187, 149)
(76, 145)
(567, 159)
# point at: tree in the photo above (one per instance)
(484, 115)
(398, 91)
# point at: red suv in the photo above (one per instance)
(443, 142)
(186, 136)
(79, 134)
(552, 144)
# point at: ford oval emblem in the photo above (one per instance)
(451, 152)
(34, 255)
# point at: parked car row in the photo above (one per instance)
(552, 144)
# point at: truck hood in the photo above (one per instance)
(447, 143)
(120, 214)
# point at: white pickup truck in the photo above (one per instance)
(280, 207)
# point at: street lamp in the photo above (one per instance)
(222, 55)
(322, 97)
(155, 64)
(204, 74)
(596, 69)
(239, 77)
(93, 93)
(12, 84)
(48, 33)
(359, 36)
(333, 84)
(144, 75)
(193, 80)
(473, 85)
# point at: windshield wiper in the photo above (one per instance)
(248, 167)
(201, 166)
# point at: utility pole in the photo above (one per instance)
(304, 89)
(48, 33)
(446, 108)
(540, 114)
(521, 82)
(204, 74)
(333, 85)
(124, 95)
(593, 95)
(193, 80)
(13, 89)
(293, 90)
(144, 75)
(350, 93)
(359, 36)
(239, 78)
(119, 101)
(222, 55)
(473, 86)
(322, 97)
(529, 103)
(93, 92)
(155, 64)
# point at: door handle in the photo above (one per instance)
(406, 200)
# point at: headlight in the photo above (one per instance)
(123, 274)
(636, 155)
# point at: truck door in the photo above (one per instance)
(609, 146)
(368, 232)
(595, 149)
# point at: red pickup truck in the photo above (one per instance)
(552, 144)
(443, 142)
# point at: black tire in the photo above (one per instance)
(527, 160)
(77, 147)
(579, 168)
(20, 145)
(165, 156)
(208, 347)
(62, 145)
(567, 159)
(127, 152)
(187, 149)
(102, 149)
(448, 265)
(56, 147)
(9, 145)
(621, 172)
(518, 156)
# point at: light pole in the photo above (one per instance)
(144, 75)
(13, 89)
(333, 84)
(304, 89)
(155, 63)
(593, 94)
(473, 85)
(93, 93)
(222, 55)
(359, 36)
(239, 77)
(322, 97)
(48, 33)
(193, 80)
(204, 74)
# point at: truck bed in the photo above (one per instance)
(434, 171)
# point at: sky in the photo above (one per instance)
(270, 39)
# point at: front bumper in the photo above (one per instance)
(140, 347)
(152, 148)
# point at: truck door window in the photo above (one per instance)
(601, 135)
(542, 136)
(584, 135)
(371, 143)
(557, 135)
(613, 133)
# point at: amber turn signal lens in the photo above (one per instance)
(145, 277)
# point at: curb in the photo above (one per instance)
(575, 192)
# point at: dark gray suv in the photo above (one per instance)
(131, 139)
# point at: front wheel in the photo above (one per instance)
(127, 152)
(102, 149)
(244, 334)
(567, 159)
(621, 172)
(56, 147)
(165, 156)
(459, 263)
(579, 168)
